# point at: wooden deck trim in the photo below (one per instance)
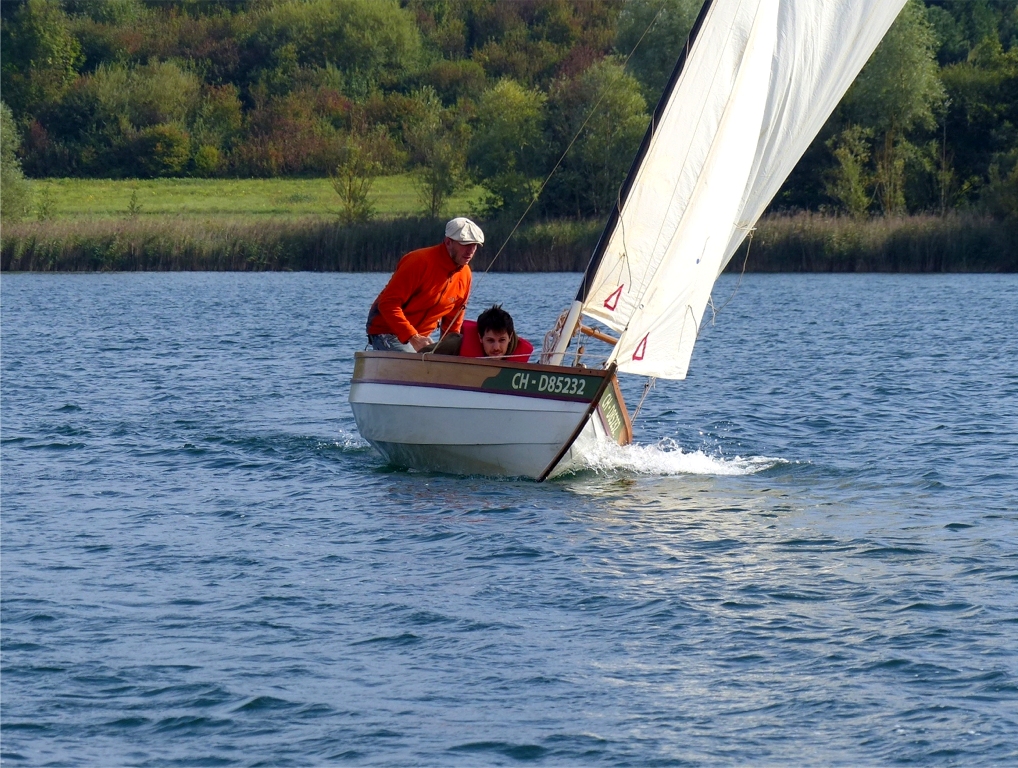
(484, 361)
(596, 334)
(459, 373)
(625, 411)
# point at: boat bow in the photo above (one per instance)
(483, 416)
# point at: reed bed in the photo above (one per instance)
(256, 245)
(800, 243)
(809, 242)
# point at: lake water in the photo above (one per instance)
(809, 557)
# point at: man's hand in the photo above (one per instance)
(419, 342)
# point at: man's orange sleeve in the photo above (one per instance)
(396, 294)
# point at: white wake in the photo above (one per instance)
(667, 458)
(348, 441)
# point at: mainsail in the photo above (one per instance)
(752, 90)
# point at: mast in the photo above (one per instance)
(613, 218)
(616, 212)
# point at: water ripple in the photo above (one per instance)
(808, 557)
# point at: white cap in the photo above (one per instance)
(463, 230)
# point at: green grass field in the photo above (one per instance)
(57, 199)
(239, 224)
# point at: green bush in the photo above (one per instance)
(849, 181)
(352, 180)
(218, 117)
(162, 150)
(40, 55)
(370, 41)
(454, 80)
(207, 161)
(438, 140)
(161, 93)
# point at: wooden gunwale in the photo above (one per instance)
(481, 361)
(546, 382)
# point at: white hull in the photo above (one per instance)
(490, 418)
(473, 433)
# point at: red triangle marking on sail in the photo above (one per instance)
(613, 301)
(641, 348)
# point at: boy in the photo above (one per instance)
(494, 336)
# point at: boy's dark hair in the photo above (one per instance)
(495, 319)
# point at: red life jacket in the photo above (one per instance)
(471, 346)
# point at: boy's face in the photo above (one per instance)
(495, 343)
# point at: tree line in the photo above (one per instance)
(477, 91)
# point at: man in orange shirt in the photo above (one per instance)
(430, 287)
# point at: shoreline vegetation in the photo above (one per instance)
(803, 242)
(334, 135)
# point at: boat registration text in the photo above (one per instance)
(533, 382)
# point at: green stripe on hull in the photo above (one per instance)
(566, 386)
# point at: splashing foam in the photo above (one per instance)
(667, 458)
(348, 442)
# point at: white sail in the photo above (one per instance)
(758, 83)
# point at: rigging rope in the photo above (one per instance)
(647, 387)
(551, 337)
(710, 299)
(572, 141)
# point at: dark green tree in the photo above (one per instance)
(40, 55)
(455, 80)
(162, 150)
(15, 191)
(1000, 196)
(217, 123)
(961, 25)
(664, 26)
(604, 111)
(98, 122)
(507, 152)
(438, 139)
(114, 12)
(163, 92)
(898, 90)
(981, 125)
(371, 42)
(850, 180)
(535, 42)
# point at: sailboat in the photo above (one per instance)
(752, 87)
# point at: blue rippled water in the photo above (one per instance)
(809, 557)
